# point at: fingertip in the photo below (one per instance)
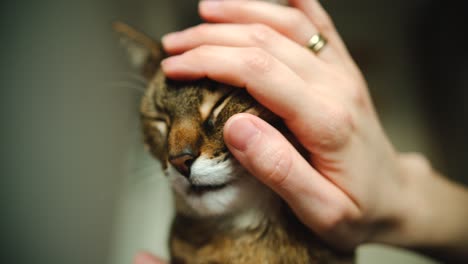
(208, 7)
(170, 40)
(240, 132)
(177, 67)
(169, 64)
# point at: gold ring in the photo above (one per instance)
(316, 43)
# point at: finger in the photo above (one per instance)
(320, 18)
(315, 118)
(287, 20)
(294, 56)
(267, 155)
(147, 258)
(268, 80)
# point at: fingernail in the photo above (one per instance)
(210, 5)
(241, 132)
(170, 38)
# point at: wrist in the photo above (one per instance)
(433, 212)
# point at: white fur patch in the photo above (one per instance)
(220, 107)
(266, 205)
(161, 126)
(205, 171)
(209, 101)
(243, 196)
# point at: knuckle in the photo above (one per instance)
(325, 24)
(417, 160)
(357, 95)
(295, 18)
(337, 130)
(261, 35)
(200, 29)
(275, 166)
(203, 49)
(333, 218)
(201, 52)
(353, 89)
(258, 61)
(343, 124)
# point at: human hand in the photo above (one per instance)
(353, 187)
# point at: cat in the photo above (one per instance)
(223, 214)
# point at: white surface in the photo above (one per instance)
(144, 214)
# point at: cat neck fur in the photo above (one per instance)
(269, 234)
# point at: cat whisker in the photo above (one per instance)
(144, 173)
(135, 77)
(128, 85)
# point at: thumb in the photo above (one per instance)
(269, 156)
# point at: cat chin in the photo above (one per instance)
(236, 191)
(215, 171)
(234, 199)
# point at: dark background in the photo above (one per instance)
(69, 116)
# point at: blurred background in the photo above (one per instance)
(76, 184)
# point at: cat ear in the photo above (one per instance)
(145, 53)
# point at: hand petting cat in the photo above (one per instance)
(353, 187)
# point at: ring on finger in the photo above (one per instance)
(316, 43)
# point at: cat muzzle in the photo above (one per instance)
(201, 189)
(182, 163)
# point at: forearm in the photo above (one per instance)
(445, 216)
(435, 215)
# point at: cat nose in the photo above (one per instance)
(182, 162)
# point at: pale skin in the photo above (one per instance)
(354, 187)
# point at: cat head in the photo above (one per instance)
(183, 128)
